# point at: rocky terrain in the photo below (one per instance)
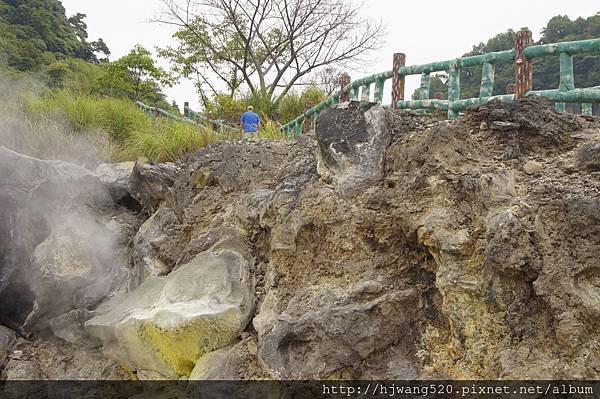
(383, 245)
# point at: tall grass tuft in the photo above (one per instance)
(271, 130)
(119, 118)
(79, 111)
(123, 132)
(167, 141)
(82, 112)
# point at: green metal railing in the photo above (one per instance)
(189, 117)
(565, 93)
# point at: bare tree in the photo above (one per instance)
(267, 45)
(327, 79)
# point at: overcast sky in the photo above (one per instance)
(425, 30)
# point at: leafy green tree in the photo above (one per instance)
(35, 33)
(135, 76)
(586, 67)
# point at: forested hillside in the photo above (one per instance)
(35, 33)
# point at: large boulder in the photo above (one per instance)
(327, 329)
(80, 264)
(151, 184)
(352, 139)
(116, 177)
(163, 327)
(52, 211)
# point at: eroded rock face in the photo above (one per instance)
(326, 328)
(150, 183)
(7, 340)
(165, 325)
(386, 245)
(229, 363)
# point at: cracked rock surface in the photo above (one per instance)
(383, 245)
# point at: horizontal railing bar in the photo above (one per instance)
(461, 105)
(574, 47)
(429, 104)
(500, 56)
(587, 95)
(195, 114)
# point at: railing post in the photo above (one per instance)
(354, 94)
(365, 94)
(379, 85)
(425, 85)
(344, 81)
(567, 81)
(453, 89)
(186, 109)
(397, 79)
(510, 88)
(308, 119)
(523, 65)
(156, 111)
(439, 96)
(487, 80)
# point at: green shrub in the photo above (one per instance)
(263, 105)
(82, 112)
(313, 94)
(223, 107)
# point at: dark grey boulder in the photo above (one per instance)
(352, 139)
(151, 184)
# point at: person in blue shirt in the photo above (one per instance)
(250, 122)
